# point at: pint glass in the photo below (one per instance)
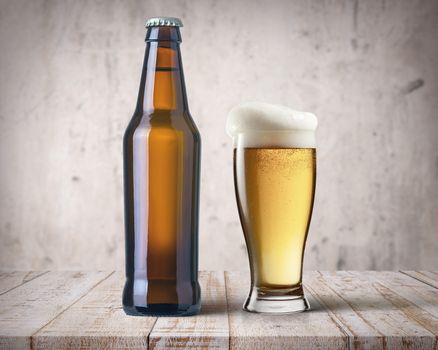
(274, 174)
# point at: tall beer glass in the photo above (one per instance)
(274, 174)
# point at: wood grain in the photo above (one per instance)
(429, 277)
(415, 299)
(308, 330)
(350, 310)
(13, 279)
(97, 321)
(29, 307)
(208, 330)
(372, 313)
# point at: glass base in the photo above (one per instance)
(275, 302)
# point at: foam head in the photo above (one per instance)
(258, 124)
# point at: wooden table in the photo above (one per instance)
(372, 310)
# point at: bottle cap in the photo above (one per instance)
(164, 22)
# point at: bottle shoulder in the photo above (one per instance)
(163, 118)
(181, 121)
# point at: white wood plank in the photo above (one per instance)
(13, 279)
(27, 308)
(208, 330)
(97, 321)
(417, 300)
(379, 310)
(370, 312)
(429, 277)
(309, 330)
(360, 332)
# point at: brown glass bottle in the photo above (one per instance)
(161, 150)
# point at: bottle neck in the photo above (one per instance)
(162, 83)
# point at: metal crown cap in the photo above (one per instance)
(164, 22)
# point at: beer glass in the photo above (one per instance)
(274, 174)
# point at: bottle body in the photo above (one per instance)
(161, 150)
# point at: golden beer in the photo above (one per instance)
(274, 175)
(275, 189)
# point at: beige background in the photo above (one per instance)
(69, 78)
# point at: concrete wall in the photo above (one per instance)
(69, 78)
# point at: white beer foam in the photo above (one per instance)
(258, 124)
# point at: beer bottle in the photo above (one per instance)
(161, 149)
